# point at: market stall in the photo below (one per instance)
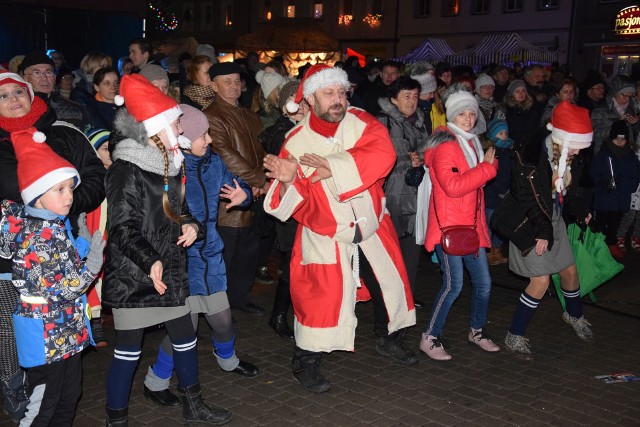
(431, 49)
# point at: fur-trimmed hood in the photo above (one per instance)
(392, 111)
(126, 126)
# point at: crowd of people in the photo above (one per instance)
(183, 176)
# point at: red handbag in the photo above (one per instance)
(460, 240)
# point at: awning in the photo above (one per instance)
(431, 49)
(502, 49)
(288, 35)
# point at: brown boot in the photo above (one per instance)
(495, 257)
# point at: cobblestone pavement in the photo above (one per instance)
(475, 388)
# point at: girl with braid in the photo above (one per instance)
(149, 228)
(544, 187)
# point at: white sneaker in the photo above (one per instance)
(482, 340)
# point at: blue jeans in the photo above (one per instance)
(452, 279)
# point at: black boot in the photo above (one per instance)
(117, 417)
(194, 410)
(278, 323)
(306, 370)
(98, 333)
(15, 395)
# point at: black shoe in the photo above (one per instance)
(162, 397)
(263, 276)
(246, 369)
(251, 308)
(194, 410)
(278, 323)
(97, 333)
(419, 305)
(306, 370)
(394, 346)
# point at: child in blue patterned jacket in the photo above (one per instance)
(49, 318)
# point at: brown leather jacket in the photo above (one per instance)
(234, 131)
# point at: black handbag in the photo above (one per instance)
(460, 240)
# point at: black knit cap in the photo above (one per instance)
(35, 58)
(224, 69)
(593, 78)
(618, 127)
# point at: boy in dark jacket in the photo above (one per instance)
(50, 324)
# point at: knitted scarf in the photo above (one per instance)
(38, 108)
(201, 95)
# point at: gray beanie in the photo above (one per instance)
(287, 91)
(515, 85)
(207, 50)
(459, 102)
(484, 80)
(622, 84)
(269, 82)
(154, 72)
(427, 82)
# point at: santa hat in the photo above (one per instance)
(570, 128)
(39, 168)
(149, 106)
(6, 78)
(317, 77)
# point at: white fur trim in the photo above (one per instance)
(288, 202)
(323, 78)
(45, 182)
(184, 142)
(39, 137)
(155, 124)
(576, 141)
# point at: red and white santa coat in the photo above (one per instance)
(323, 289)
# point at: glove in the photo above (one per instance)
(83, 230)
(95, 257)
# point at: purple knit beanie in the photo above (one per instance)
(193, 122)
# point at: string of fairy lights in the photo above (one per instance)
(166, 20)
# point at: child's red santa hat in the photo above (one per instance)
(149, 106)
(570, 128)
(317, 77)
(39, 168)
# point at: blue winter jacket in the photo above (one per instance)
(626, 171)
(205, 177)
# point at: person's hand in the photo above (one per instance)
(256, 191)
(587, 218)
(284, 170)
(236, 194)
(490, 155)
(156, 277)
(415, 159)
(321, 165)
(631, 118)
(189, 235)
(542, 246)
(83, 230)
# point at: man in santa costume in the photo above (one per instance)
(329, 178)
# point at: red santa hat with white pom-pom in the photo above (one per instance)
(317, 77)
(149, 106)
(39, 168)
(570, 128)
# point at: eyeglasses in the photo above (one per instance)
(40, 74)
(18, 93)
(626, 95)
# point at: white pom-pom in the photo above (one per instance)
(39, 137)
(292, 107)
(118, 100)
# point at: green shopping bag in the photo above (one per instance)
(594, 262)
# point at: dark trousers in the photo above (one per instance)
(608, 223)
(282, 298)
(411, 255)
(241, 246)
(54, 390)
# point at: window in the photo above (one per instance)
(317, 9)
(376, 7)
(480, 7)
(423, 8)
(546, 4)
(512, 6)
(266, 10)
(450, 7)
(228, 15)
(207, 16)
(187, 17)
(291, 9)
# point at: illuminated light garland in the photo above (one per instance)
(372, 20)
(164, 24)
(345, 19)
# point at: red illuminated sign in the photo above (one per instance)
(628, 21)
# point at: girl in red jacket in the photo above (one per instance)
(458, 169)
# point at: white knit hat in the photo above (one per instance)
(269, 81)
(427, 82)
(484, 80)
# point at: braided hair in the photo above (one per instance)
(166, 206)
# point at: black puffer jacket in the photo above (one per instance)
(139, 231)
(70, 144)
(406, 137)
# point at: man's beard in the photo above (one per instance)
(329, 116)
